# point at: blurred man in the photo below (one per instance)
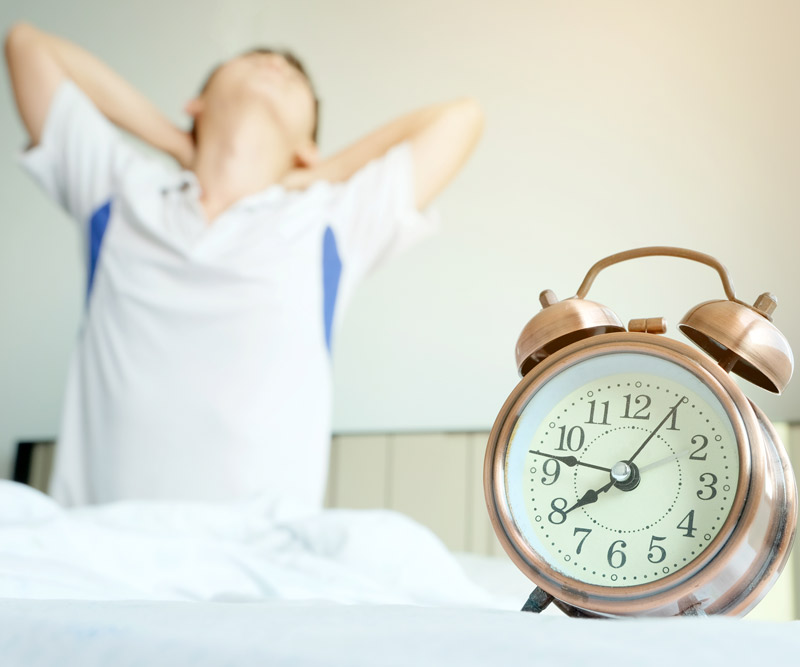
(202, 370)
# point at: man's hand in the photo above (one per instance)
(183, 149)
(300, 178)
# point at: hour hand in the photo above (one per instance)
(570, 461)
(591, 496)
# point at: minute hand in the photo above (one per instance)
(655, 430)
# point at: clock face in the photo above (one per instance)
(621, 469)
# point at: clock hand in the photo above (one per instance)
(569, 460)
(666, 459)
(591, 496)
(655, 430)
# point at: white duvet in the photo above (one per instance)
(222, 552)
(114, 565)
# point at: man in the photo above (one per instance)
(202, 369)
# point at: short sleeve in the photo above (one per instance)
(79, 154)
(374, 212)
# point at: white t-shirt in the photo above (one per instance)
(202, 369)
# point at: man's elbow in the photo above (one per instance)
(471, 114)
(472, 107)
(19, 33)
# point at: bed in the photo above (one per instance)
(182, 583)
(136, 583)
(323, 633)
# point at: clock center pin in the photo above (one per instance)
(621, 471)
(625, 475)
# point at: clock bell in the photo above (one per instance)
(740, 337)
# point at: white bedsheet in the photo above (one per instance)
(200, 584)
(215, 552)
(36, 633)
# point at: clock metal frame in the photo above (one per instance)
(745, 557)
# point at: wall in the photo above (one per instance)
(610, 125)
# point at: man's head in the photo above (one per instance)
(276, 79)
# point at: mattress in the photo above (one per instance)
(309, 632)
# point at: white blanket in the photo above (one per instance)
(131, 567)
(221, 552)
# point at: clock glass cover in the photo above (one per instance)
(621, 469)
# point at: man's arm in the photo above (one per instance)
(442, 137)
(38, 62)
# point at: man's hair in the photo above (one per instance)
(292, 60)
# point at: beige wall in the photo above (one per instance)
(610, 125)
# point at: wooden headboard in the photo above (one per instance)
(436, 479)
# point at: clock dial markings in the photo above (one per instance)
(606, 514)
(670, 470)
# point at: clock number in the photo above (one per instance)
(583, 539)
(605, 413)
(672, 426)
(638, 414)
(613, 551)
(650, 555)
(567, 439)
(694, 456)
(709, 486)
(553, 476)
(687, 523)
(558, 511)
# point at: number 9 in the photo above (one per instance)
(552, 475)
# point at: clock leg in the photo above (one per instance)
(690, 606)
(694, 611)
(537, 601)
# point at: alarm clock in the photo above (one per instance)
(627, 474)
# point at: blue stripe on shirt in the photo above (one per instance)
(331, 271)
(97, 229)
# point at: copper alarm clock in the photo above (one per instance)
(627, 473)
